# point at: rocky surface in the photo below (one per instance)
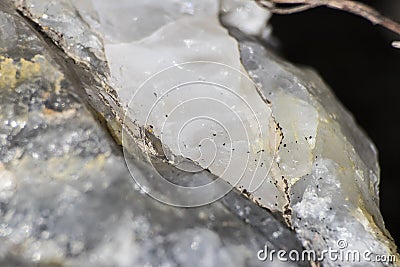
(68, 196)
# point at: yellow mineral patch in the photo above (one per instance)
(63, 168)
(115, 129)
(66, 167)
(8, 73)
(28, 69)
(14, 72)
(97, 163)
(49, 112)
(53, 116)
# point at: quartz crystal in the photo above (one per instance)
(66, 194)
(195, 99)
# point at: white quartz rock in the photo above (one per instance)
(172, 61)
(247, 16)
(299, 127)
(334, 193)
(142, 18)
(167, 81)
(235, 137)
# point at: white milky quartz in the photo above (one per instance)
(299, 126)
(221, 122)
(246, 16)
(143, 18)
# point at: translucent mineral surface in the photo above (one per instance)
(66, 194)
(192, 97)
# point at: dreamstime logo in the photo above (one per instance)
(339, 254)
(199, 117)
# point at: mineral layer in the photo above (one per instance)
(199, 104)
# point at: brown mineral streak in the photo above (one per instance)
(354, 7)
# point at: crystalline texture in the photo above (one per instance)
(316, 131)
(66, 196)
(335, 197)
(323, 171)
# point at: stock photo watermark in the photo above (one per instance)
(340, 253)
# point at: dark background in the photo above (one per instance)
(356, 59)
